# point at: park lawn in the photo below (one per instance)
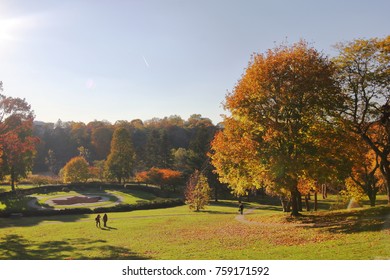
(216, 233)
(7, 188)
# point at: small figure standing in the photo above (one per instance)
(105, 219)
(97, 219)
(241, 208)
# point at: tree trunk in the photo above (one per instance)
(388, 192)
(386, 173)
(299, 201)
(385, 170)
(12, 179)
(307, 202)
(285, 204)
(324, 191)
(315, 201)
(288, 206)
(387, 184)
(294, 202)
(215, 193)
(371, 193)
(372, 200)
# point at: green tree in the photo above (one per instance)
(281, 115)
(120, 161)
(364, 74)
(76, 170)
(101, 138)
(197, 191)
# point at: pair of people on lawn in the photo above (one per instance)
(105, 219)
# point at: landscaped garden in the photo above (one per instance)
(218, 232)
(299, 168)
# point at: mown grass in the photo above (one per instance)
(7, 188)
(216, 233)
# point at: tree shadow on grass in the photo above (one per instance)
(366, 220)
(270, 208)
(32, 221)
(140, 194)
(234, 205)
(16, 247)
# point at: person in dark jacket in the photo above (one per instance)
(97, 220)
(105, 219)
(241, 208)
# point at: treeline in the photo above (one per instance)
(170, 143)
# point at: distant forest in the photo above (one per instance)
(170, 142)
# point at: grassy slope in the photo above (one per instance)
(177, 233)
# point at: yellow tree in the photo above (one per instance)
(281, 114)
(197, 192)
(76, 170)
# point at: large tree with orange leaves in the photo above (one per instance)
(281, 116)
(17, 145)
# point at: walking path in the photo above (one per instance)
(242, 219)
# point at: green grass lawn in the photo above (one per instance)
(216, 233)
(7, 188)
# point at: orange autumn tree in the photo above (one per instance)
(365, 177)
(17, 144)
(281, 114)
(162, 177)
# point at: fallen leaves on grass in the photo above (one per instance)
(234, 235)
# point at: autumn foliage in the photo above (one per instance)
(281, 112)
(17, 144)
(76, 170)
(162, 177)
(197, 192)
(363, 71)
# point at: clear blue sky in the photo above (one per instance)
(82, 60)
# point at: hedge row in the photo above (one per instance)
(117, 208)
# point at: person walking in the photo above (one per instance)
(97, 220)
(241, 208)
(105, 219)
